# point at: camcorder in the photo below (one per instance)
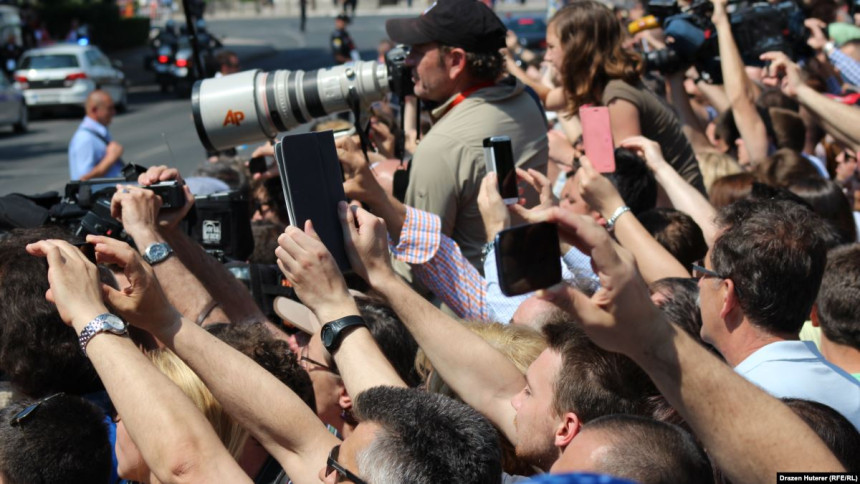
(757, 27)
(254, 106)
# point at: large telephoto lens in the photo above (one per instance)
(254, 106)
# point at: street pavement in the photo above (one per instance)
(158, 128)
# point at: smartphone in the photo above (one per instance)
(528, 258)
(597, 137)
(258, 164)
(88, 249)
(499, 157)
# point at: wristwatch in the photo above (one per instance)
(157, 252)
(331, 332)
(106, 322)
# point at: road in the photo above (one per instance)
(158, 128)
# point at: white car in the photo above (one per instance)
(64, 75)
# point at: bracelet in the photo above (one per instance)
(488, 247)
(206, 312)
(829, 47)
(610, 224)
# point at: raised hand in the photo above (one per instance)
(142, 303)
(313, 273)
(75, 286)
(597, 190)
(366, 243)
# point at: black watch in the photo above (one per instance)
(331, 333)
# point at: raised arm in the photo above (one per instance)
(718, 404)
(840, 120)
(139, 211)
(481, 375)
(311, 270)
(230, 295)
(690, 124)
(259, 402)
(654, 261)
(682, 195)
(174, 438)
(739, 88)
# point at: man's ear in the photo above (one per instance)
(567, 429)
(455, 59)
(344, 401)
(730, 299)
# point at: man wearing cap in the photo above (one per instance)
(456, 66)
(342, 46)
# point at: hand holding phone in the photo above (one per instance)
(499, 156)
(597, 137)
(528, 258)
(257, 165)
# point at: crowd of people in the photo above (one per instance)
(706, 330)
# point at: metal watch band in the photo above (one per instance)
(101, 324)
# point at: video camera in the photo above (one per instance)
(254, 106)
(85, 206)
(757, 27)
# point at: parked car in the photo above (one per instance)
(530, 30)
(64, 75)
(13, 109)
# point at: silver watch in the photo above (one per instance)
(106, 322)
(156, 253)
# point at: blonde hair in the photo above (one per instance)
(715, 165)
(231, 434)
(520, 344)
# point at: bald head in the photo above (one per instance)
(100, 107)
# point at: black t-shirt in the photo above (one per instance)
(341, 43)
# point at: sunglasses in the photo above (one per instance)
(304, 360)
(21, 417)
(332, 465)
(700, 272)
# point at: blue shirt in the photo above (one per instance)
(86, 150)
(576, 266)
(795, 369)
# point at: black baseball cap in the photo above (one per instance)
(468, 24)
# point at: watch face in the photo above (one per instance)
(115, 324)
(158, 252)
(327, 335)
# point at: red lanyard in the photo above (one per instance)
(463, 95)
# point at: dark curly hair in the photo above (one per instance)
(38, 353)
(591, 37)
(256, 342)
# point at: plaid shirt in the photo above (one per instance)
(439, 264)
(848, 67)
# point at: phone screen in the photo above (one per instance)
(257, 164)
(597, 138)
(528, 258)
(500, 158)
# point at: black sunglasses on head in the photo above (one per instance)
(332, 465)
(21, 417)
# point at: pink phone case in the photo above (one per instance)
(597, 137)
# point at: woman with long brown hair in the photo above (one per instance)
(584, 44)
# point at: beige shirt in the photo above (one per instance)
(448, 165)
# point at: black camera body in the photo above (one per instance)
(757, 27)
(222, 225)
(399, 74)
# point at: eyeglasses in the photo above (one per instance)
(304, 360)
(262, 207)
(21, 417)
(700, 272)
(332, 465)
